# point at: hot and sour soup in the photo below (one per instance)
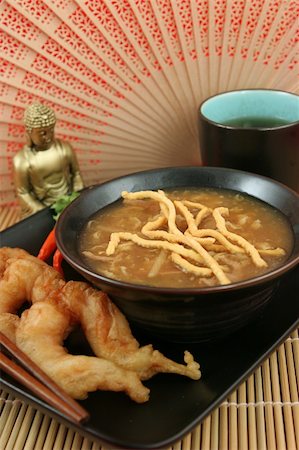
(238, 237)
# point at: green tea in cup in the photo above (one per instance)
(256, 122)
(256, 130)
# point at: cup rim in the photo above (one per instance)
(231, 127)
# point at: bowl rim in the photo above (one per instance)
(79, 265)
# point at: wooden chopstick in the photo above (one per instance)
(31, 376)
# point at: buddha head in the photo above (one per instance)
(39, 124)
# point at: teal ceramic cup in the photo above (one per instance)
(256, 130)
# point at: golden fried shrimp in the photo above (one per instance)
(120, 363)
(102, 322)
(24, 278)
(40, 335)
(7, 253)
(110, 337)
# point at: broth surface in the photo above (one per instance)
(261, 225)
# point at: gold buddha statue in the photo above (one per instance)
(46, 168)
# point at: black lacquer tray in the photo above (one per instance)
(176, 403)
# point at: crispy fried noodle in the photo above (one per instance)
(194, 250)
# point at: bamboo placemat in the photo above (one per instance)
(262, 414)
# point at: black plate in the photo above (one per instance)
(176, 404)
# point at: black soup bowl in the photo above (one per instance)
(175, 314)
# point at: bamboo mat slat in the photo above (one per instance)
(251, 413)
(262, 414)
(9, 215)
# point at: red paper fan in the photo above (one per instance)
(125, 77)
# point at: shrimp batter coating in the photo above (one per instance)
(22, 278)
(8, 325)
(109, 334)
(40, 335)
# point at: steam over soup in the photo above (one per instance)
(186, 238)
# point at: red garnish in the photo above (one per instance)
(48, 247)
(57, 261)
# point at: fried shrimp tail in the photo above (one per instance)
(148, 362)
